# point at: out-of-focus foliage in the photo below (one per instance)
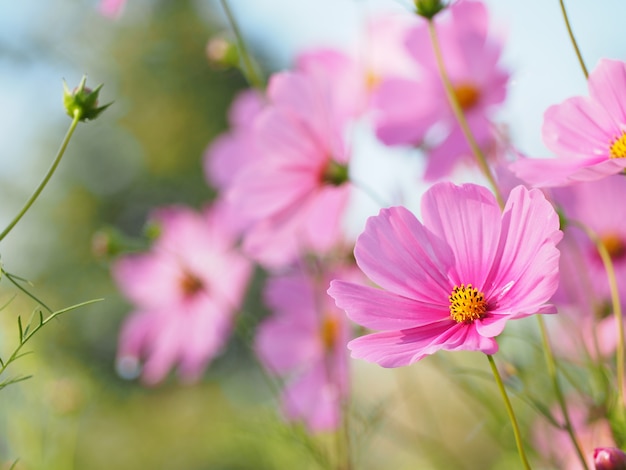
(145, 151)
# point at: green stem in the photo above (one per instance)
(44, 182)
(511, 413)
(551, 363)
(573, 40)
(249, 69)
(460, 116)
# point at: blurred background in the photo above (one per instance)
(145, 151)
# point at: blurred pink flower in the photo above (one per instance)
(111, 8)
(185, 290)
(555, 445)
(594, 205)
(295, 191)
(587, 134)
(453, 282)
(584, 291)
(471, 61)
(304, 342)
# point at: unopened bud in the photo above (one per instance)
(429, 8)
(82, 101)
(222, 53)
(609, 458)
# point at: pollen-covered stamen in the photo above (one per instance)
(467, 304)
(190, 284)
(618, 147)
(615, 245)
(372, 80)
(467, 95)
(329, 332)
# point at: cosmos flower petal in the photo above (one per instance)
(404, 347)
(607, 86)
(400, 255)
(382, 310)
(324, 218)
(468, 218)
(526, 271)
(577, 128)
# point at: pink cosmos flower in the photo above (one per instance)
(452, 282)
(471, 61)
(587, 134)
(296, 191)
(304, 342)
(185, 290)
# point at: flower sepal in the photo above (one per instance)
(83, 101)
(429, 8)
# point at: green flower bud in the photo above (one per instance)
(83, 101)
(429, 8)
(222, 53)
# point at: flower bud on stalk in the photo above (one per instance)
(83, 100)
(429, 8)
(609, 458)
(222, 53)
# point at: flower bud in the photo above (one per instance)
(609, 458)
(222, 53)
(82, 101)
(429, 8)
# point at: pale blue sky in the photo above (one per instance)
(543, 65)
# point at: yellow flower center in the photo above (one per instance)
(618, 147)
(329, 332)
(467, 95)
(190, 284)
(372, 80)
(467, 304)
(614, 245)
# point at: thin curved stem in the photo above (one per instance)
(573, 40)
(511, 413)
(44, 182)
(249, 69)
(460, 116)
(551, 364)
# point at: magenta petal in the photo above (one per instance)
(548, 172)
(525, 273)
(397, 123)
(400, 255)
(468, 218)
(607, 85)
(386, 349)
(578, 128)
(148, 280)
(324, 220)
(404, 347)
(382, 310)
